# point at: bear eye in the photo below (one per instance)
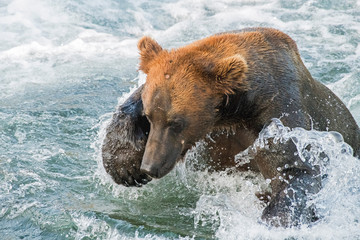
(177, 125)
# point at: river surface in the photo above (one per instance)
(66, 65)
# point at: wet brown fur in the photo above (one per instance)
(239, 81)
(243, 80)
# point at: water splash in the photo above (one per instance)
(338, 200)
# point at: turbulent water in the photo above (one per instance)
(66, 65)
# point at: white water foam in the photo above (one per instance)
(33, 61)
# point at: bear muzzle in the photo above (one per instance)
(157, 170)
(152, 171)
(160, 158)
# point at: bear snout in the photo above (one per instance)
(157, 170)
(150, 170)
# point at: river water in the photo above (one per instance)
(66, 65)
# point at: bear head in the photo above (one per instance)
(183, 92)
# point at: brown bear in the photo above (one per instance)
(237, 80)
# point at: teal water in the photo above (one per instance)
(66, 65)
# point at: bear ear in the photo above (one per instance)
(230, 74)
(149, 49)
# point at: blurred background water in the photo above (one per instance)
(66, 65)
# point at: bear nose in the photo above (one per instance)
(149, 170)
